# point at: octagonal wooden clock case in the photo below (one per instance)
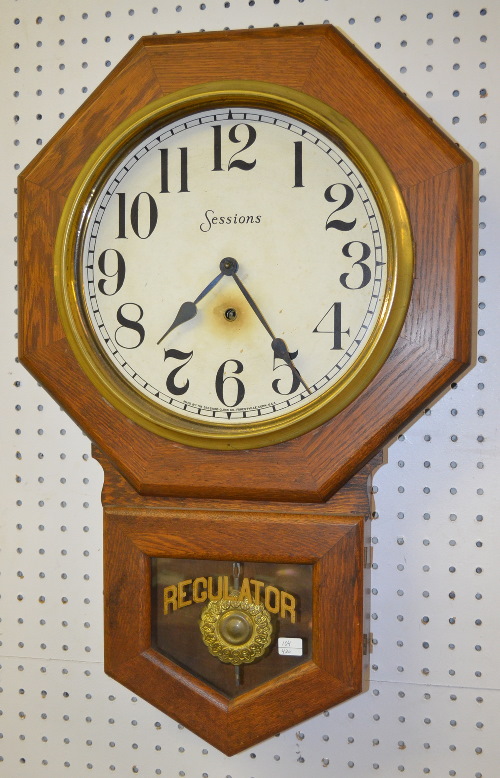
(244, 264)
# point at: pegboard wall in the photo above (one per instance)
(434, 701)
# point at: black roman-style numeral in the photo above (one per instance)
(236, 134)
(165, 170)
(185, 357)
(103, 264)
(298, 179)
(295, 376)
(366, 270)
(236, 383)
(130, 325)
(333, 316)
(342, 194)
(143, 215)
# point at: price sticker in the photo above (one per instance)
(290, 646)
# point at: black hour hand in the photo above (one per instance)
(187, 311)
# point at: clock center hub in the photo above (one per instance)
(230, 314)
(228, 266)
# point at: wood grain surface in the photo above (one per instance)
(303, 501)
(332, 544)
(436, 179)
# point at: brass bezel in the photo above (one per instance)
(209, 434)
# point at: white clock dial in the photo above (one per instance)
(300, 294)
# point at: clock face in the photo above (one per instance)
(233, 268)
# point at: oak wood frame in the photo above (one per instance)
(189, 494)
(132, 523)
(436, 180)
(333, 545)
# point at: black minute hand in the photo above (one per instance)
(280, 350)
(252, 304)
(277, 344)
(188, 310)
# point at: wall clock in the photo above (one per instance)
(241, 276)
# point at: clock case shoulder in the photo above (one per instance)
(437, 182)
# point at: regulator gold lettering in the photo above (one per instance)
(211, 589)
